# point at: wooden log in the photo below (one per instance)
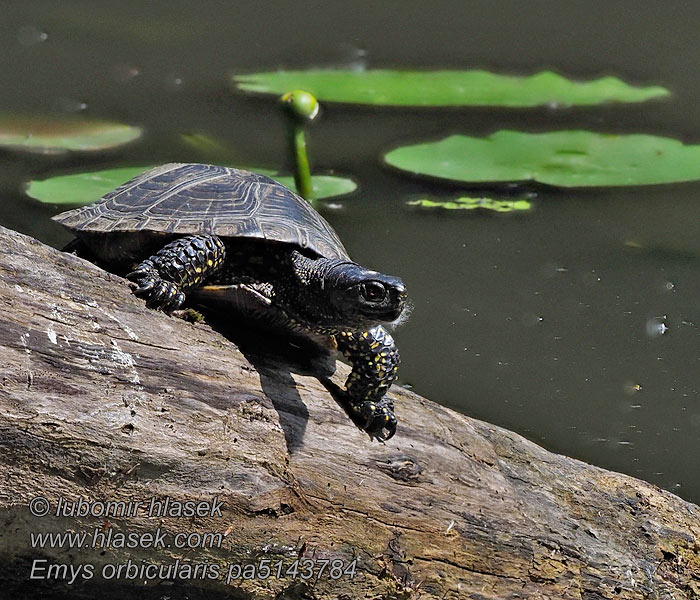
(104, 400)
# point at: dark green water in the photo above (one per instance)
(543, 324)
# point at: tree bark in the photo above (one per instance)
(104, 400)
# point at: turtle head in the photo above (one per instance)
(334, 294)
(363, 296)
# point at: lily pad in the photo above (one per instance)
(207, 147)
(324, 186)
(560, 158)
(664, 252)
(56, 135)
(446, 88)
(85, 188)
(81, 188)
(465, 203)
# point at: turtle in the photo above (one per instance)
(234, 237)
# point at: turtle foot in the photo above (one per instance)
(377, 418)
(158, 293)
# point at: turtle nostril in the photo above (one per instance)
(399, 287)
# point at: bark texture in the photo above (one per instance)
(105, 400)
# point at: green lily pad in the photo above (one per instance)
(446, 88)
(517, 205)
(325, 186)
(85, 188)
(207, 148)
(56, 135)
(559, 158)
(664, 251)
(81, 188)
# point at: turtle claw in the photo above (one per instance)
(159, 293)
(165, 296)
(142, 288)
(378, 418)
(145, 270)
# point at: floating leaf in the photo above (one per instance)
(207, 147)
(81, 188)
(560, 158)
(56, 135)
(665, 252)
(446, 88)
(85, 188)
(475, 204)
(325, 186)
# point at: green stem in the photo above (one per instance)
(302, 172)
(301, 107)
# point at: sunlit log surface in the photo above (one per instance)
(105, 400)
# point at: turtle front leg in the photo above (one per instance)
(163, 278)
(375, 361)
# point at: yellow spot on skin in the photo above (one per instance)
(210, 262)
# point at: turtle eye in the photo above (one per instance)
(373, 291)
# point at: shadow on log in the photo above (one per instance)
(103, 400)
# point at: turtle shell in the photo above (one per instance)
(181, 199)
